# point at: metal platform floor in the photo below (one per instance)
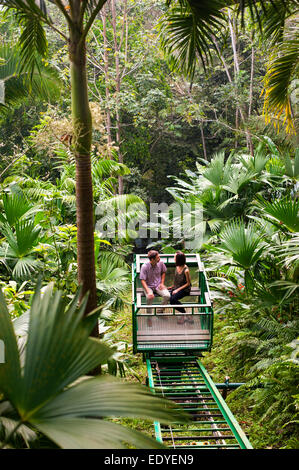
(164, 330)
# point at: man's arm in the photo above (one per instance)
(162, 285)
(147, 290)
(144, 285)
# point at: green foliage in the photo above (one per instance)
(186, 33)
(48, 390)
(251, 256)
(42, 82)
(192, 130)
(283, 211)
(243, 243)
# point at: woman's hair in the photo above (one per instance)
(180, 259)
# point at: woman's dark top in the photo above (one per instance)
(180, 280)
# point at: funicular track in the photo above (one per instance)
(182, 378)
(171, 348)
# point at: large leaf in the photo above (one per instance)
(281, 212)
(187, 33)
(282, 69)
(17, 207)
(19, 84)
(101, 397)
(10, 371)
(20, 246)
(84, 433)
(107, 397)
(32, 42)
(53, 396)
(243, 243)
(58, 351)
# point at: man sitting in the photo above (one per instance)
(152, 276)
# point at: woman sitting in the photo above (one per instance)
(181, 284)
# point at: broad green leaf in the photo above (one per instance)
(10, 371)
(59, 349)
(84, 433)
(103, 397)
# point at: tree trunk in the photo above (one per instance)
(107, 77)
(117, 91)
(203, 141)
(82, 125)
(236, 73)
(251, 96)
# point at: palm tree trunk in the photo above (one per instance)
(82, 125)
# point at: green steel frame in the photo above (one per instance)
(186, 381)
(202, 308)
(176, 373)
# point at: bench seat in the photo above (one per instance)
(194, 291)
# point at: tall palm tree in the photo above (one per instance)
(79, 16)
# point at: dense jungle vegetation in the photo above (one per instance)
(190, 102)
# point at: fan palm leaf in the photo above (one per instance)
(16, 207)
(30, 16)
(46, 391)
(281, 212)
(120, 214)
(243, 243)
(186, 33)
(292, 170)
(218, 171)
(282, 69)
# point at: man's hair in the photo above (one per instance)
(180, 259)
(152, 254)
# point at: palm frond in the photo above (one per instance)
(273, 18)
(289, 250)
(50, 395)
(281, 70)
(19, 84)
(186, 33)
(243, 243)
(282, 212)
(32, 41)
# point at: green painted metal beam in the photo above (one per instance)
(209, 403)
(152, 386)
(230, 419)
